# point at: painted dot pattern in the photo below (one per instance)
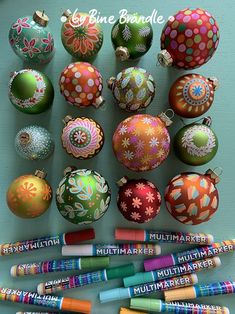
(81, 84)
(196, 29)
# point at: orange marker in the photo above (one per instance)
(123, 310)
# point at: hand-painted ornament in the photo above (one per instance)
(196, 144)
(81, 85)
(31, 38)
(132, 38)
(82, 137)
(34, 143)
(81, 36)
(189, 39)
(192, 198)
(192, 95)
(138, 200)
(83, 196)
(142, 142)
(30, 91)
(29, 196)
(133, 89)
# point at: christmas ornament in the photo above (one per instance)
(81, 36)
(30, 91)
(196, 144)
(34, 143)
(189, 39)
(133, 89)
(131, 38)
(192, 198)
(83, 196)
(142, 142)
(138, 199)
(81, 85)
(82, 137)
(29, 196)
(192, 95)
(31, 38)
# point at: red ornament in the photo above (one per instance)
(189, 39)
(81, 85)
(138, 200)
(192, 198)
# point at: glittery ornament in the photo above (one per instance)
(82, 137)
(131, 38)
(133, 89)
(142, 142)
(31, 38)
(29, 196)
(192, 95)
(34, 143)
(189, 39)
(30, 91)
(196, 144)
(192, 198)
(138, 199)
(81, 36)
(81, 85)
(83, 196)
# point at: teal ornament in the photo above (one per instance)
(83, 196)
(34, 143)
(31, 38)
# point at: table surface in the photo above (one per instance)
(222, 112)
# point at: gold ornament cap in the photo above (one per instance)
(99, 102)
(67, 119)
(41, 18)
(122, 53)
(25, 138)
(40, 174)
(214, 81)
(164, 58)
(111, 82)
(69, 169)
(179, 294)
(214, 175)
(165, 118)
(122, 181)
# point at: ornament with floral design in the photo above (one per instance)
(29, 196)
(138, 200)
(81, 36)
(83, 196)
(31, 38)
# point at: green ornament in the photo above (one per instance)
(31, 91)
(196, 144)
(133, 89)
(31, 39)
(133, 38)
(83, 196)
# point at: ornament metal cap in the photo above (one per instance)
(40, 174)
(99, 102)
(67, 119)
(122, 181)
(111, 82)
(25, 138)
(69, 169)
(41, 18)
(215, 82)
(207, 121)
(122, 53)
(164, 58)
(213, 175)
(164, 117)
(67, 13)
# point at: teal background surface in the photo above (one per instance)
(11, 120)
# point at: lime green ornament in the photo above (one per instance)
(31, 38)
(131, 38)
(83, 196)
(30, 91)
(196, 144)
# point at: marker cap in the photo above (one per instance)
(138, 278)
(145, 304)
(180, 294)
(157, 263)
(74, 305)
(79, 236)
(95, 262)
(114, 295)
(129, 234)
(77, 250)
(120, 271)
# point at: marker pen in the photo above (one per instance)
(144, 289)
(189, 256)
(123, 310)
(111, 249)
(218, 288)
(83, 263)
(53, 302)
(85, 279)
(44, 312)
(39, 243)
(163, 236)
(153, 305)
(169, 272)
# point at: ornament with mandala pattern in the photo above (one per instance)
(133, 89)
(192, 198)
(82, 137)
(138, 200)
